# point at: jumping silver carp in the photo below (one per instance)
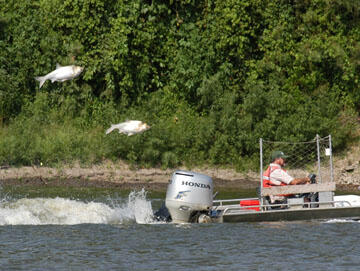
(61, 74)
(129, 127)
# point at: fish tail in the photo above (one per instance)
(108, 131)
(41, 79)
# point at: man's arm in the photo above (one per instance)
(300, 181)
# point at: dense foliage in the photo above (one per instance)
(210, 77)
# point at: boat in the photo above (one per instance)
(190, 198)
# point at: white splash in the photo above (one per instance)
(61, 211)
(342, 220)
(137, 208)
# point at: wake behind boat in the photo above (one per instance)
(190, 197)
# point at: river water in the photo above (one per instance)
(117, 232)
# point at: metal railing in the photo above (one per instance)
(286, 206)
(220, 202)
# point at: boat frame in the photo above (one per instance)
(325, 207)
(231, 211)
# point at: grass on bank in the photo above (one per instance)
(53, 134)
(55, 130)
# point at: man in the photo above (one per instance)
(276, 175)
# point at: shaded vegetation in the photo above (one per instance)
(210, 77)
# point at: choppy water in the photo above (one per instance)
(118, 233)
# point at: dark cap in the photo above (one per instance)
(278, 154)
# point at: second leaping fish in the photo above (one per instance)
(61, 74)
(129, 127)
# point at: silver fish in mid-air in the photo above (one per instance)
(61, 74)
(129, 127)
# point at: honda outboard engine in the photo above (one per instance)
(189, 194)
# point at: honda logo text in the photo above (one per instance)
(193, 184)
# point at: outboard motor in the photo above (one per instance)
(188, 195)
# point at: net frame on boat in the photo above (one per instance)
(313, 156)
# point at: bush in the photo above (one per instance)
(211, 78)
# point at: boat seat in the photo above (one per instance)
(298, 189)
(266, 199)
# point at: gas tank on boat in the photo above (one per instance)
(188, 194)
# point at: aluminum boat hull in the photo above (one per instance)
(291, 215)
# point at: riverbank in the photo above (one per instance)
(123, 176)
(118, 175)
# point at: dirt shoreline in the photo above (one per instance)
(122, 176)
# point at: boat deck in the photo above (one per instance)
(227, 212)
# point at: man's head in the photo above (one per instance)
(278, 157)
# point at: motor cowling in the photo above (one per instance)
(188, 194)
